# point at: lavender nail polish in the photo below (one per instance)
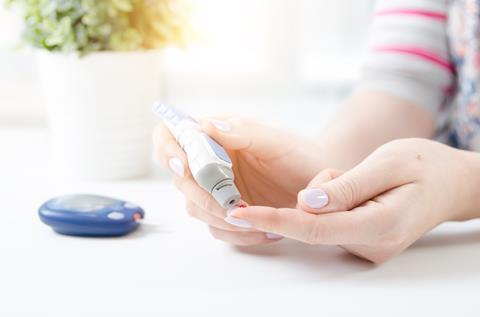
(273, 236)
(220, 125)
(238, 222)
(176, 166)
(314, 198)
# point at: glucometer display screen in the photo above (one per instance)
(83, 203)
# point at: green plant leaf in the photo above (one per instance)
(86, 26)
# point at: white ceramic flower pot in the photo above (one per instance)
(99, 112)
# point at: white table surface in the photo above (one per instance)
(176, 268)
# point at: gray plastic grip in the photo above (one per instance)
(218, 180)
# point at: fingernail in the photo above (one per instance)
(220, 125)
(273, 236)
(176, 166)
(314, 198)
(238, 222)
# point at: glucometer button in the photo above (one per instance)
(115, 215)
(138, 217)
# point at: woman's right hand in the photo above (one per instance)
(270, 165)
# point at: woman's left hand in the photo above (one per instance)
(379, 208)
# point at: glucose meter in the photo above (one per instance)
(210, 165)
(91, 215)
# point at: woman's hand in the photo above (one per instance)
(380, 207)
(270, 167)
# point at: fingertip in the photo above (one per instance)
(224, 133)
(219, 125)
(284, 222)
(259, 217)
(242, 212)
(172, 156)
(207, 127)
(216, 129)
(301, 205)
(313, 200)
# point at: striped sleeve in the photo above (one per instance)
(408, 53)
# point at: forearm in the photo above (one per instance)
(367, 121)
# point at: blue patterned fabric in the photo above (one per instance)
(463, 30)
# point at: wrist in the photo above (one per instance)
(339, 155)
(469, 187)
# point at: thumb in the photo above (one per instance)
(245, 134)
(313, 192)
(333, 191)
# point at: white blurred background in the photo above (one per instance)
(257, 57)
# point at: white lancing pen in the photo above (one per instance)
(209, 164)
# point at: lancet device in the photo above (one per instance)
(209, 164)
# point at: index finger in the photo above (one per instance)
(166, 147)
(328, 229)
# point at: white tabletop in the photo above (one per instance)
(176, 268)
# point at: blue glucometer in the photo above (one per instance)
(91, 215)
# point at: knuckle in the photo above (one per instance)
(348, 190)
(392, 148)
(395, 154)
(387, 156)
(315, 233)
(399, 147)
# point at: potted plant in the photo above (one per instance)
(99, 69)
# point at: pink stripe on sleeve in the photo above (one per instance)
(418, 52)
(415, 12)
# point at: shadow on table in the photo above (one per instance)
(321, 261)
(438, 256)
(443, 240)
(148, 229)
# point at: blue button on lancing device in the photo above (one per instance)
(91, 215)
